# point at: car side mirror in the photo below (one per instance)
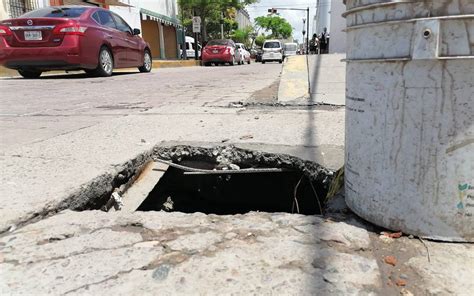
(136, 31)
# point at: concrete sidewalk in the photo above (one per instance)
(313, 79)
(5, 72)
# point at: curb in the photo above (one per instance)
(5, 72)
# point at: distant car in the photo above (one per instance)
(71, 38)
(221, 51)
(190, 48)
(244, 53)
(290, 49)
(272, 51)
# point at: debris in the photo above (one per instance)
(11, 228)
(143, 140)
(406, 292)
(336, 184)
(386, 239)
(391, 260)
(256, 117)
(403, 276)
(114, 201)
(427, 250)
(246, 137)
(225, 140)
(168, 205)
(392, 234)
(401, 283)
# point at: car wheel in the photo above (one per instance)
(232, 62)
(207, 64)
(30, 74)
(106, 63)
(147, 62)
(248, 62)
(263, 62)
(280, 61)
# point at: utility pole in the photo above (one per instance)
(222, 25)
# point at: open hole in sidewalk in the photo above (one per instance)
(234, 193)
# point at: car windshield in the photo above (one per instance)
(271, 45)
(56, 12)
(290, 47)
(218, 42)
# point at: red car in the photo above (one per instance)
(71, 38)
(221, 51)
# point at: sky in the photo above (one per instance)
(295, 18)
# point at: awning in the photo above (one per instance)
(151, 15)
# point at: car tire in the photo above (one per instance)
(105, 65)
(207, 64)
(280, 61)
(263, 62)
(30, 74)
(147, 62)
(248, 62)
(231, 63)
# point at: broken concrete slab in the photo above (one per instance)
(89, 252)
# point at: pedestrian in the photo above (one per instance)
(313, 44)
(323, 41)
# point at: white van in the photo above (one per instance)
(272, 51)
(290, 49)
(190, 48)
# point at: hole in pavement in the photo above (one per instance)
(224, 193)
(223, 180)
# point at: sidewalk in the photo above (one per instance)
(4, 72)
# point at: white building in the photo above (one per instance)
(243, 19)
(337, 43)
(322, 18)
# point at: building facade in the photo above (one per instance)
(338, 24)
(242, 18)
(157, 19)
(15, 8)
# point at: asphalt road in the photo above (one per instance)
(35, 110)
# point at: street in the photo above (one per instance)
(35, 110)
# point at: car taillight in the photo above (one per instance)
(5, 31)
(228, 50)
(70, 29)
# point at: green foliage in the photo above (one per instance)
(242, 36)
(279, 27)
(211, 13)
(260, 40)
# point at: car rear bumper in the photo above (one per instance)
(272, 57)
(216, 58)
(41, 58)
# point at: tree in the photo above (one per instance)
(260, 40)
(212, 12)
(279, 27)
(242, 35)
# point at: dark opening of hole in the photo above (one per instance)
(227, 194)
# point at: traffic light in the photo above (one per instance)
(272, 11)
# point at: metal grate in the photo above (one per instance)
(19, 7)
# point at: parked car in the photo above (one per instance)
(190, 48)
(258, 56)
(221, 51)
(71, 38)
(272, 51)
(290, 49)
(244, 53)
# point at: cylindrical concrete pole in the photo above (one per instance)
(410, 115)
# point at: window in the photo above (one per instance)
(272, 44)
(18, 7)
(71, 12)
(121, 24)
(106, 19)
